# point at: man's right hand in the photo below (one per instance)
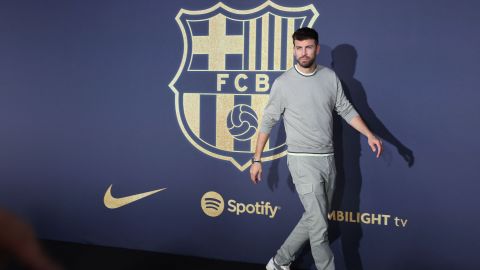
(256, 172)
(256, 167)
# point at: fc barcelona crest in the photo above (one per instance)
(230, 60)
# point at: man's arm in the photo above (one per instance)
(345, 109)
(256, 167)
(271, 115)
(375, 144)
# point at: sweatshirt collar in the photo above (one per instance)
(306, 74)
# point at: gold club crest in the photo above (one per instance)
(230, 59)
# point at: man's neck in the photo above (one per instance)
(306, 71)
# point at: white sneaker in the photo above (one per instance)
(272, 265)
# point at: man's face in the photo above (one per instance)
(305, 52)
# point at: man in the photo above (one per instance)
(305, 96)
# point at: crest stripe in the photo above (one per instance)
(207, 115)
(258, 103)
(265, 38)
(289, 47)
(277, 41)
(253, 44)
(191, 105)
(224, 140)
(246, 44)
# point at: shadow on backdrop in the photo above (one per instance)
(348, 152)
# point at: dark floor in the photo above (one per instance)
(74, 256)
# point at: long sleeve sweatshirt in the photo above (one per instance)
(306, 103)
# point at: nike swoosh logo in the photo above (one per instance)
(112, 202)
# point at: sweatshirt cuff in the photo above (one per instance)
(350, 115)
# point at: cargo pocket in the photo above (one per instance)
(303, 189)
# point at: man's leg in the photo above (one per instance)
(294, 242)
(313, 181)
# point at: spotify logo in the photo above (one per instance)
(212, 204)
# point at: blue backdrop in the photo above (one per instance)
(123, 93)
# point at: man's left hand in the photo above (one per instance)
(375, 145)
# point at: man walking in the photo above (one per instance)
(305, 96)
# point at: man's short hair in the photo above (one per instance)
(305, 33)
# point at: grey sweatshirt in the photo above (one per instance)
(306, 104)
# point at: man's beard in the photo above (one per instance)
(308, 64)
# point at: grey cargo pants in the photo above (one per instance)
(314, 179)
